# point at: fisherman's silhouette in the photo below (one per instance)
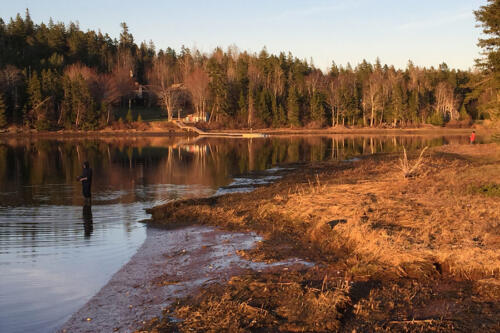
(88, 225)
(86, 180)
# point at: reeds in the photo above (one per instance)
(406, 168)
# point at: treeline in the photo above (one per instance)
(57, 76)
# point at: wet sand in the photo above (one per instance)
(171, 264)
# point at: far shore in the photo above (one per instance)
(167, 129)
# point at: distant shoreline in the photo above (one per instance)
(268, 131)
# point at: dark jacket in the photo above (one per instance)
(87, 183)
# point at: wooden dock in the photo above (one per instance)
(198, 131)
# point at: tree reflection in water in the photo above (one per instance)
(29, 166)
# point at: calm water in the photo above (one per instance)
(55, 253)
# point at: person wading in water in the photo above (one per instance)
(86, 180)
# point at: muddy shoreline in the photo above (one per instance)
(171, 264)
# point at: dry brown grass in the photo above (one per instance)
(432, 218)
(258, 301)
(391, 222)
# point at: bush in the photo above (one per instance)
(436, 119)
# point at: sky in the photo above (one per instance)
(429, 32)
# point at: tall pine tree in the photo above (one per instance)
(318, 112)
(293, 107)
(489, 18)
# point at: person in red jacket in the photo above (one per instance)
(473, 137)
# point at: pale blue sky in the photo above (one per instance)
(426, 31)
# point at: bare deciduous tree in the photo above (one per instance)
(278, 81)
(372, 99)
(445, 100)
(197, 84)
(164, 83)
(313, 81)
(255, 77)
(123, 73)
(108, 92)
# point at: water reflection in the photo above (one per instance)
(88, 225)
(29, 169)
(42, 173)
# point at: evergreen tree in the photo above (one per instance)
(218, 88)
(242, 105)
(489, 18)
(126, 38)
(293, 107)
(275, 111)
(129, 118)
(463, 115)
(436, 119)
(413, 107)
(318, 112)
(91, 116)
(264, 107)
(80, 107)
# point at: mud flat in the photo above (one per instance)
(391, 253)
(171, 264)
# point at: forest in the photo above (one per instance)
(55, 76)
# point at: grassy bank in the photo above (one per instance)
(391, 253)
